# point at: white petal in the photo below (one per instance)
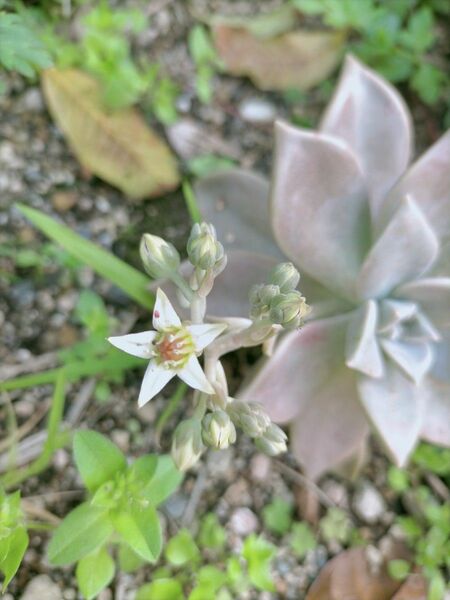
(193, 375)
(155, 378)
(203, 335)
(164, 314)
(137, 344)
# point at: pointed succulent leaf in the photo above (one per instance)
(428, 182)
(362, 349)
(393, 312)
(236, 201)
(433, 294)
(421, 329)
(436, 420)
(395, 406)
(414, 359)
(330, 430)
(405, 250)
(369, 115)
(319, 209)
(302, 361)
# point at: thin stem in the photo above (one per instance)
(181, 284)
(171, 407)
(198, 308)
(55, 438)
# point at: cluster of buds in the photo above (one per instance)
(207, 255)
(279, 301)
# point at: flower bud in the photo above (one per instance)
(203, 249)
(249, 416)
(160, 258)
(187, 444)
(285, 276)
(218, 430)
(288, 310)
(272, 441)
(260, 298)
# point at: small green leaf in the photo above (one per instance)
(212, 535)
(398, 479)
(85, 529)
(302, 539)
(91, 312)
(18, 543)
(130, 280)
(98, 460)
(94, 572)
(437, 588)
(277, 516)
(164, 482)
(398, 569)
(336, 526)
(129, 561)
(161, 589)
(143, 469)
(182, 549)
(140, 528)
(259, 553)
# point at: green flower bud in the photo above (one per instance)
(218, 430)
(285, 276)
(260, 298)
(187, 444)
(272, 441)
(249, 416)
(203, 249)
(288, 310)
(160, 258)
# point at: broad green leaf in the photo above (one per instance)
(129, 561)
(18, 543)
(140, 528)
(277, 516)
(85, 529)
(128, 279)
(258, 553)
(142, 470)
(97, 459)
(302, 539)
(164, 482)
(94, 572)
(212, 534)
(181, 549)
(117, 146)
(161, 589)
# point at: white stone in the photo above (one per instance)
(368, 504)
(257, 110)
(243, 522)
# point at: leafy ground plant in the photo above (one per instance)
(186, 574)
(120, 511)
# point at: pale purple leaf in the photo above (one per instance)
(362, 349)
(433, 294)
(319, 209)
(436, 422)
(414, 359)
(371, 117)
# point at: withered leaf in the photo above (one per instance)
(414, 588)
(349, 576)
(296, 59)
(116, 146)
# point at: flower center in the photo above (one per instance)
(173, 347)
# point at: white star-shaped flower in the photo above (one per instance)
(172, 349)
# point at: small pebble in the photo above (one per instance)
(238, 494)
(243, 522)
(260, 467)
(368, 503)
(42, 587)
(257, 110)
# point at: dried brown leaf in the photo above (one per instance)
(414, 588)
(349, 576)
(297, 59)
(116, 146)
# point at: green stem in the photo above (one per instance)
(178, 280)
(170, 408)
(55, 438)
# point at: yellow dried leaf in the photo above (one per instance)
(116, 146)
(297, 59)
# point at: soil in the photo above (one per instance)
(37, 302)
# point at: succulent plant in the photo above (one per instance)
(371, 237)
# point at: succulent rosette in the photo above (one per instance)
(371, 237)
